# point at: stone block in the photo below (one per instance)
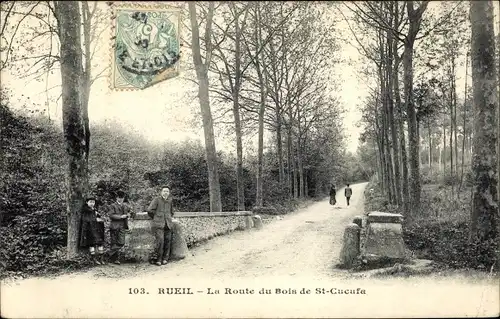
(249, 222)
(141, 216)
(264, 210)
(350, 246)
(257, 221)
(384, 240)
(358, 220)
(382, 217)
(140, 241)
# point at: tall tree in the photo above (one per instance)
(485, 213)
(204, 98)
(231, 78)
(69, 19)
(415, 20)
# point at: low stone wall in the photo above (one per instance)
(193, 227)
(201, 226)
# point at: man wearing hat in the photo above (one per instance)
(118, 212)
(92, 230)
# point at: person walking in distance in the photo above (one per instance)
(161, 211)
(333, 192)
(119, 213)
(348, 193)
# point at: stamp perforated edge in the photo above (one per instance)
(173, 6)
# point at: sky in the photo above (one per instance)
(168, 110)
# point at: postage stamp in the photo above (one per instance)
(145, 46)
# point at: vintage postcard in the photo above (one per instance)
(247, 159)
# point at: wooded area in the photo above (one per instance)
(260, 69)
(424, 132)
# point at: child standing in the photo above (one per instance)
(119, 213)
(92, 231)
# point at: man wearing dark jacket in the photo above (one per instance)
(348, 194)
(161, 211)
(119, 213)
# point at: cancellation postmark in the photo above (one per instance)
(145, 46)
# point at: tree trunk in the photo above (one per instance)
(451, 141)
(392, 45)
(385, 132)
(498, 130)
(206, 113)
(412, 132)
(430, 143)
(68, 14)
(484, 217)
(289, 162)
(295, 173)
(300, 168)
(87, 74)
(444, 149)
(379, 165)
(454, 119)
(415, 18)
(402, 140)
(240, 183)
(464, 122)
(259, 194)
(262, 108)
(279, 147)
(383, 175)
(452, 171)
(440, 155)
(306, 187)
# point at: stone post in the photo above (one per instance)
(178, 249)
(350, 248)
(257, 221)
(358, 221)
(249, 222)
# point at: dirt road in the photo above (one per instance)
(285, 269)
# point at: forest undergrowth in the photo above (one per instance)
(440, 232)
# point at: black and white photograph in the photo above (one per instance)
(249, 159)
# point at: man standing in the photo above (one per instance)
(118, 212)
(161, 211)
(348, 193)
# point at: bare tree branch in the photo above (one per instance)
(4, 64)
(6, 18)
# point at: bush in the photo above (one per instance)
(29, 178)
(448, 243)
(449, 180)
(32, 237)
(441, 230)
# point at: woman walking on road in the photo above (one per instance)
(333, 192)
